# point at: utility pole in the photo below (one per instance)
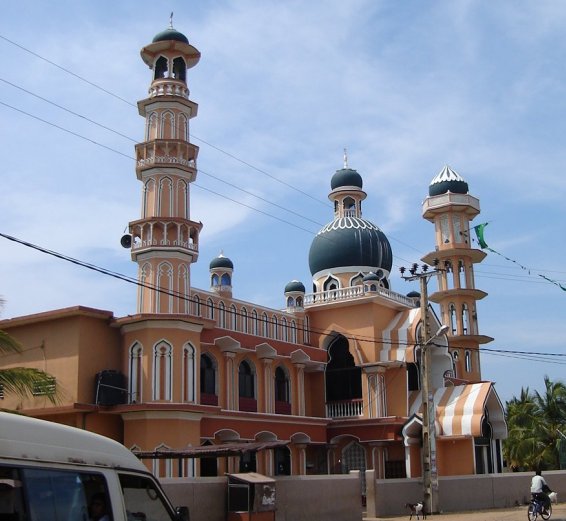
(429, 471)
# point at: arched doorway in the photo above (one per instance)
(343, 380)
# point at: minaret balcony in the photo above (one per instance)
(168, 87)
(437, 203)
(165, 234)
(161, 153)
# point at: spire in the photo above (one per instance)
(345, 157)
(171, 21)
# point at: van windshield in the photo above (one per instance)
(37, 494)
(143, 500)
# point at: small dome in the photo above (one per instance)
(371, 276)
(346, 177)
(447, 181)
(295, 285)
(221, 262)
(350, 241)
(170, 34)
(414, 294)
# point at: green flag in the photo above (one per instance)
(479, 234)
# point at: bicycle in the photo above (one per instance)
(536, 508)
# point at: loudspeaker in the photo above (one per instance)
(126, 241)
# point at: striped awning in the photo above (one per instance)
(396, 337)
(460, 409)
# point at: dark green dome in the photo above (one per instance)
(170, 34)
(447, 181)
(350, 241)
(295, 286)
(346, 177)
(221, 262)
(371, 276)
(414, 294)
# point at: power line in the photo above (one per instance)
(501, 352)
(106, 91)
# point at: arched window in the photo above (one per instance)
(265, 325)
(145, 277)
(149, 200)
(196, 305)
(282, 391)
(184, 287)
(244, 320)
(466, 319)
(293, 337)
(208, 391)
(307, 331)
(299, 302)
(135, 374)
(168, 125)
(215, 280)
(331, 284)
(165, 282)
(284, 330)
(233, 318)
(246, 380)
(358, 280)
(151, 132)
(179, 69)
(189, 373)
(468, 361)
(165, 198)
(182, 127)
(255, 323)
(343, 377)
(226, 280)
(349, 207)
(221, 315)
(161, 68)
(162, 371)
(246, 387)
(275, 327)
(452, 311)
(210, 308)
(290, 302)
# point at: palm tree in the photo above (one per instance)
(24, 381)
(534, 422)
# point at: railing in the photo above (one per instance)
(444, 199)
(353, 292)
(168, 87)
(345, 409)
(166, 152)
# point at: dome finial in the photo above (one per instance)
(345, 157)
(171, 21)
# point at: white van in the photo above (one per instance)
(51, 472)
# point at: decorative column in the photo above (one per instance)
(299, 403)
(269, 405)
(230, 395)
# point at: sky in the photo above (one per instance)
(283, 87)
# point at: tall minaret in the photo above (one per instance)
(165, 239)
(451, 208)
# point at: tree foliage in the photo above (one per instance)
(24, 381)
(536, 422)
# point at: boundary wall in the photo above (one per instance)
(298, 498)
(387, 497)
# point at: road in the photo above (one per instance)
(502, 514)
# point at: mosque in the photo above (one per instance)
(199, 383)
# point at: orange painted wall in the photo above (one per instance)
(455, 457)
